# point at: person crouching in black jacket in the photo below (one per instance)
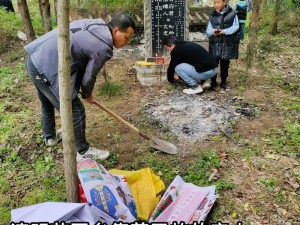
(190, 62)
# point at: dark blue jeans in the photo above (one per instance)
(49, 102)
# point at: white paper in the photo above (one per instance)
(56, 211)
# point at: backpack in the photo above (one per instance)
(241, 12)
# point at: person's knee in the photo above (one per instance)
(178, 69)
(181, 68)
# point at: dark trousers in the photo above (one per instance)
(242, 28)
(224, 68)
(49, 103)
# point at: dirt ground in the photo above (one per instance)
(246, 200)
(129, 104)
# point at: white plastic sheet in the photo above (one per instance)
(51, 212)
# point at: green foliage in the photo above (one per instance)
(288, 18)
(268, 183)
(110, 88)
(112, 160)
(249, 152)
(128, 6)
(292, 104)
(8, 83)
(6, 78)
(296, 3)
(286, 140)
(9, 78)
(293, 5)
(38, 195)
(198, 172)
(4, 185)
(112, 6)
(167, 168)
(21, 166)
(5, 213)
(288, 84)
(43, 165)
(267, 45)
(9, 25)
(7, 121)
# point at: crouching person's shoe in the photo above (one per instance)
(93, 153)
(206, 85)
(53, 140)
(193, 90)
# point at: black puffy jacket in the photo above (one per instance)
(225, 46)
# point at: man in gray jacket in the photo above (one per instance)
(91, 43)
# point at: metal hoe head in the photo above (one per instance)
(163, 146)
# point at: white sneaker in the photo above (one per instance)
(93, 153)
(206, 85)
(55, 140)
(193, 90)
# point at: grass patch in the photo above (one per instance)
(292, 104)
(6, 78)
(110, 89)
(249, 152)
(112, 160)
(167, 168)
(285, 140)
(9, 25)
(7, 121)
(289, 84)
(268, 183)
(198, 172)
(25, 166)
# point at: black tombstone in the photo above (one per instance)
(168, 17)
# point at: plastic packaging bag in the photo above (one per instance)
(146, 188)
(106, 191)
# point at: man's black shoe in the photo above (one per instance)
(224, 85)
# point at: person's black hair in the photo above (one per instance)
(169, 40)
(122, 21)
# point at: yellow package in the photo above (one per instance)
(144, 63)
(146, 188)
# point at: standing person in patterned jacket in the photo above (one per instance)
(91, 43)
(222, 30)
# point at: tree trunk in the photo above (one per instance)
(55, 9)
(275, 17)
(64, 62)
(253, 31)
(23, 9)
(44, 6)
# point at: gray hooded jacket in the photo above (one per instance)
(90, 49)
